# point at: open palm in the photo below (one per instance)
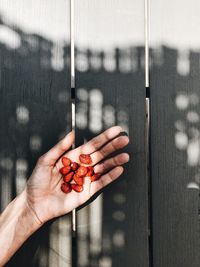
(44, 195)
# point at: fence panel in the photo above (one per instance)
(34, 96)
(174, 93)
(113, 230)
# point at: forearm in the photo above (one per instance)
(17, 223)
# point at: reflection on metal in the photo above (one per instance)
(119, 198)
(181, 140)
(54, 248)
(108, 116)
(146, 43)
(60, 243)
(35, 142)
(81, 61)
(57, 57)
(118, 239)
(109, 61)
(6, 193)
(192, 116)
(193, 185)
(21, 174)
(64, 241)
(105, 261)
(119, 216)
(6, 163)
(183, 62)
(22, 114)
(6, 166)
(193, 152)
(123, 120)
(187, 132)
(182, 101)
(95, 229)
(95, 112)
(83, 237)
(125, 65)
(82, 108)
(72, 45)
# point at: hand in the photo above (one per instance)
(43, 192)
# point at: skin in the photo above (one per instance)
(42, 198)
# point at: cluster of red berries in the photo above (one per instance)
(74, 173)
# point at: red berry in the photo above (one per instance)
(85, 159)
(78, 180)
(95, 177)
(66, 161)
(82, 171)
(90, 171)
(77, 188)
(74, 166)
(67, 178)
(65, 170)
(66, 188)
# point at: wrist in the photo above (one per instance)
(28, 212)
(17, 223)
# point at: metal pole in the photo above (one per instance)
(148, 124)
(146, 21)
(72, 69)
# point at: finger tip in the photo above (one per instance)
(71, 134)
(126, 138)
(126, 157)
(118, 129)
(123, 158)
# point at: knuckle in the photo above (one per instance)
(103, 167)
(103, 153)
(115, 161)
(113, 145)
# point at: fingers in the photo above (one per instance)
(112, 146)
(56, 152)
(105, 180)
(111, 163)
(100, 140)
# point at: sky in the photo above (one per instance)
(109, 23)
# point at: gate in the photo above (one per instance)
(150, 216)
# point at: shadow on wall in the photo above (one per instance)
(35, 93)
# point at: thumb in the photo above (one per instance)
(56, 152)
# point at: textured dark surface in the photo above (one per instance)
(112, 80)
(175, 201)
(35, 111)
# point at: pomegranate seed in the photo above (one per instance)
(90, 171)
(66, 188)
(77, 188)
(65, 170)
(95, 177)
(85, 159)
(74, 166)
(78, 180)
(67, 178)
(66, 161)
(82, 171)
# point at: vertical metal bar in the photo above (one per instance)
(72, 47)
(72, 87)
(148, 125)
(146, 21)
(73, 112)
